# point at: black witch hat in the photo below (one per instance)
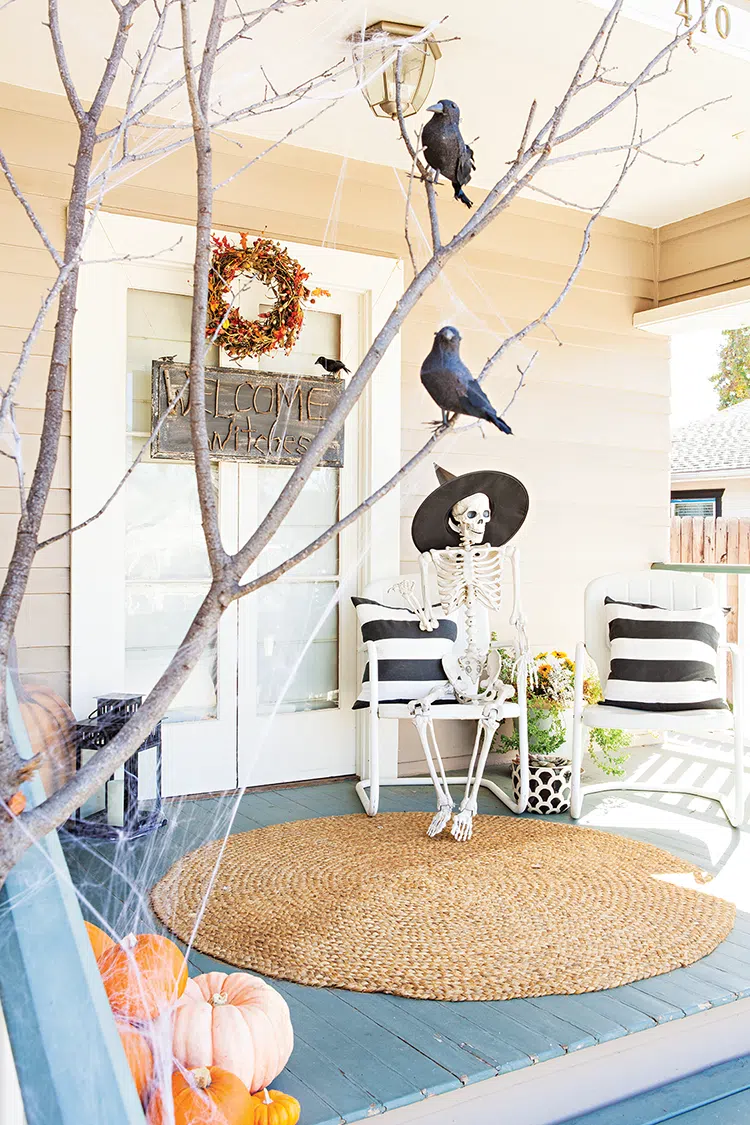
(508, 498)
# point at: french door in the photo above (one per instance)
(270, 699)
(296, 677)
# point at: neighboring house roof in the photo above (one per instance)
(714, 444)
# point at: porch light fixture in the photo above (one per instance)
(376, 63)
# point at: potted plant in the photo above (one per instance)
(550, 719)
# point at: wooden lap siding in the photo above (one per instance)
(706, 253)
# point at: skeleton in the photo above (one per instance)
(468, 577)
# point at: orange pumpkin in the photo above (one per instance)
(16, 804)
(235, 1021)
(271, 1107)
(139, 1055)
(99, 940)
(51, 727)
(143, 975)
(206, 1095)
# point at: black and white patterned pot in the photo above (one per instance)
(549, 783)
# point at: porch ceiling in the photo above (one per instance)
(507, 53)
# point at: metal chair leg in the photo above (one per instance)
(576, 794)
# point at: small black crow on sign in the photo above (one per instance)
(332, 366)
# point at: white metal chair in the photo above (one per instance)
(368, 788)
(668, 590)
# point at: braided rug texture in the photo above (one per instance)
(525, 908)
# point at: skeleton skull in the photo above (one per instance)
(470, 516)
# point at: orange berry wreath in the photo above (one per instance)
(285, 277)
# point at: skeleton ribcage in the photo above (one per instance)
(474, 575)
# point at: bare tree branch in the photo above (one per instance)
(645, 75)
(249, 21)
(17, 457)
(423, 170)
(523, 372)
(261, 155)
(198, 93)
(62, 62)
(27, 533)
(407, 213)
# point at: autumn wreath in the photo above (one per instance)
(285, 277)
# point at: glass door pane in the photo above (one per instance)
(166, 565)
(298, 634)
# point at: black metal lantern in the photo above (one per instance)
(376, 60)
(118, 811)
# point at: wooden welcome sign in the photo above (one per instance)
(262, 416)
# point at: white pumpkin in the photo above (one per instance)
(234, 1021)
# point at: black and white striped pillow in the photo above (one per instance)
(662, 659)
(409, 659)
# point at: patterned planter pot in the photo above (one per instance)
(549, 783)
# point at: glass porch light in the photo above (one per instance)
(376, 62)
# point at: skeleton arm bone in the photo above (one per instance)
(517, 618)
(427, 620)
(409, 595)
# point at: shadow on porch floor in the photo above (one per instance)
(359, 1054)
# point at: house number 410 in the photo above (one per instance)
(722, 18)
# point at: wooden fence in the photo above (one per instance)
(698, 539)
(712, 539)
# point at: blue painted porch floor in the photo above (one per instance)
(360, 1054)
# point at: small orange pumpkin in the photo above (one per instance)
(99, 940)
(271, 1107)
(207, 1095)
(139, 1055)
(143, 975)
(16, 804)
(51, 727)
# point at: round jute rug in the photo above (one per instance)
(525, 908)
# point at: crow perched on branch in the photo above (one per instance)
(445, 150)
(332, 366)
(450, 384)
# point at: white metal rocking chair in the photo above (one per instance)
(368, 788)
(667, 590)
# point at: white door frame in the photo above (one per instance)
(120, 252)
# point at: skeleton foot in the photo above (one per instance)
(463, 821)
(440, 819)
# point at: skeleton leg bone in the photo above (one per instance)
(422, 719)
(463, 821)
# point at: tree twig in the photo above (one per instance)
(523, 372)
(62, 62)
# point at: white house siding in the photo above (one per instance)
(591, 427)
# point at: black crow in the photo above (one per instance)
(451, 385)
(445, 150)
(332, 366)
